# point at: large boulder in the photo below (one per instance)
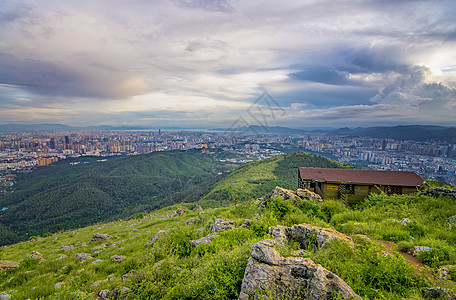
(6, 265)
(291, 277)
(313, 237)
(305, 193)
(308, 236)
(283, 193)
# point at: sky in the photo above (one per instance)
(216, 64)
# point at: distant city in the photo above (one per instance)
(24, 151)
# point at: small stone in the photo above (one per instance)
(61, 257)
(192, 221)
(66, 247)
(206, 240)
(103, 294)
(83, 256)
(405, 221)
(118, 258)
(97, 261)
(59, 285)
(119, 293)
(221, 225)
(35, 254)
(155, 238)
(4, 295)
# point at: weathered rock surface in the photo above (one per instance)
(206, 239)
(192, 221)
(283, 193)
(222, 224)
(118, 257)
(179, 212)
(440, 191)
(289, 277)
(305, 193)
(438, 293)
(246, 223)
(280, 234)
(119, 293)
(83, 256)
(100, 236)
(98, 282)
(308, 236)
(315, 238)
(103, 294)
(155, 238)
(66, 247)
(8, 265)
(35, 254)
(4, 295)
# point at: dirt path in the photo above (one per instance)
(419, 267)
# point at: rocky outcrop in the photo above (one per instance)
(6, 265)
(291, 277)
(283, 193)
(155, 238)
(434, 192)
(192, 221)
(305, 193)
(222, 225)
(118, 258)
(83, 256)
(100, 236)
(35, 254)
(308, 236)
(206, 240)
(179, 212)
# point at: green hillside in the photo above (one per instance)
(64, 196)
(172, 269)
(260, 177)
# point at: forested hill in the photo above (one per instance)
(64, 196)
(260, 177)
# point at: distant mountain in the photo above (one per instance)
(258, 178)
(407, 132)
(257, 129)
(64, 196)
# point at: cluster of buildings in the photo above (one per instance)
(27, 150)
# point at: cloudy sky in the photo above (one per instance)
(201, 63)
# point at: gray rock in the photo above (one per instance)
(222, 225)
(445, 272)
(118, 257)
(405, 221)
(246, 223)
(179, 212)
(97, 261)
(4, 295)
(418, 249)
(8, 265)
(35, 254)
(155, 238)
(61, 257)
(206, 239)
(313, 237)
(83, 256)
(100, 236)
(59, 285)
(103, 294)
(98, 248)
(66, 247)
(98, 282)
(283, 193)
(280, 234)
(192, 221)
(119, 293)
(305, 193)
(291, 277)
(438, 293)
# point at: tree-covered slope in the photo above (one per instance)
(260, 177)
(62, 196)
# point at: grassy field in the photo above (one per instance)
(172, 269)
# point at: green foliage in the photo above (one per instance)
(63, 196)
(258, 178)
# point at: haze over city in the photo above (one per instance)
(201, 63)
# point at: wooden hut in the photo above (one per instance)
(353, 185)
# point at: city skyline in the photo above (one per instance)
(202, 64)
